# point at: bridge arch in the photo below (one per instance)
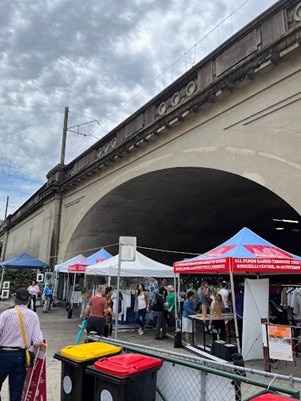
(189, 208)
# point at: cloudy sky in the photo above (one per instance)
(101, 58)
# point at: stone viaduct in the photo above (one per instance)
(217, 150)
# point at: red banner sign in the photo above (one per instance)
(238, 265)
(77, 268)
(35, 382)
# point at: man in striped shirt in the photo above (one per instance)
(12, 347)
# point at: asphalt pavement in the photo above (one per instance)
(60, 331)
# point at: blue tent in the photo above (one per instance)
(98, 256)
(23, 261)
(80, 266)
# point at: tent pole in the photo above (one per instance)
(73, 290)
(2, 274)
(118, 287)
(176, 298)
(234, 311)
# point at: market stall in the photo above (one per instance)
(142, 266)
(246, 253)
(80, 266)
(62, 280)
(21, 261)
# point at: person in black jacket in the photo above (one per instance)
(161, 321)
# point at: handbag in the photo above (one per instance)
(29, 355)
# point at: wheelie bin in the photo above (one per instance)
(125, 377)
(75, 384)
(266, 396)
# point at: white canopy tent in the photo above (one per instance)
(141, 267)
(63, 267)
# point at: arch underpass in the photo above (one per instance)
(185, 210)
(216, 151)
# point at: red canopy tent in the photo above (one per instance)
(244, 253)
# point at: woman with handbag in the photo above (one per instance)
(19, 328)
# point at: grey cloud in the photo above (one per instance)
(92, 56)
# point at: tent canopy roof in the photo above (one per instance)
(81, 265)
(63, 267)
(97, 257)
(245, 252)
(141, 267)
(24, 261)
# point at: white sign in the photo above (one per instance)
(128, 247)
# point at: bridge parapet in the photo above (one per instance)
(259, 45)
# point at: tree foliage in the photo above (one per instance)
(19, 277)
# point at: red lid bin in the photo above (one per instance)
(125, 377)
(271, 397)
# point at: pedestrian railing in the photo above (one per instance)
(189, 377)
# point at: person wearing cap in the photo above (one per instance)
(12, 348)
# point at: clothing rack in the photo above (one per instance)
(290, 285)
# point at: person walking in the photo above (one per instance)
(95, 312)
(140, 307)
(12, 348)
(109, 315)
(159, 308)
(48, 297)
(33, 290)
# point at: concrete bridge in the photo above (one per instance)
(217, 150)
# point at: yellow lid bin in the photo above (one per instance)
(76, 385)
(89, 351)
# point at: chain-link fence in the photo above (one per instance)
(188, 377)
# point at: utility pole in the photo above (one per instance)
(6, 207)
(63, 149)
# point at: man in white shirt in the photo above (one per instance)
(225, 296)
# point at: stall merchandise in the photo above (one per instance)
(246, 253)
(142, 266)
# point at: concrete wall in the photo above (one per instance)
(252, 133)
